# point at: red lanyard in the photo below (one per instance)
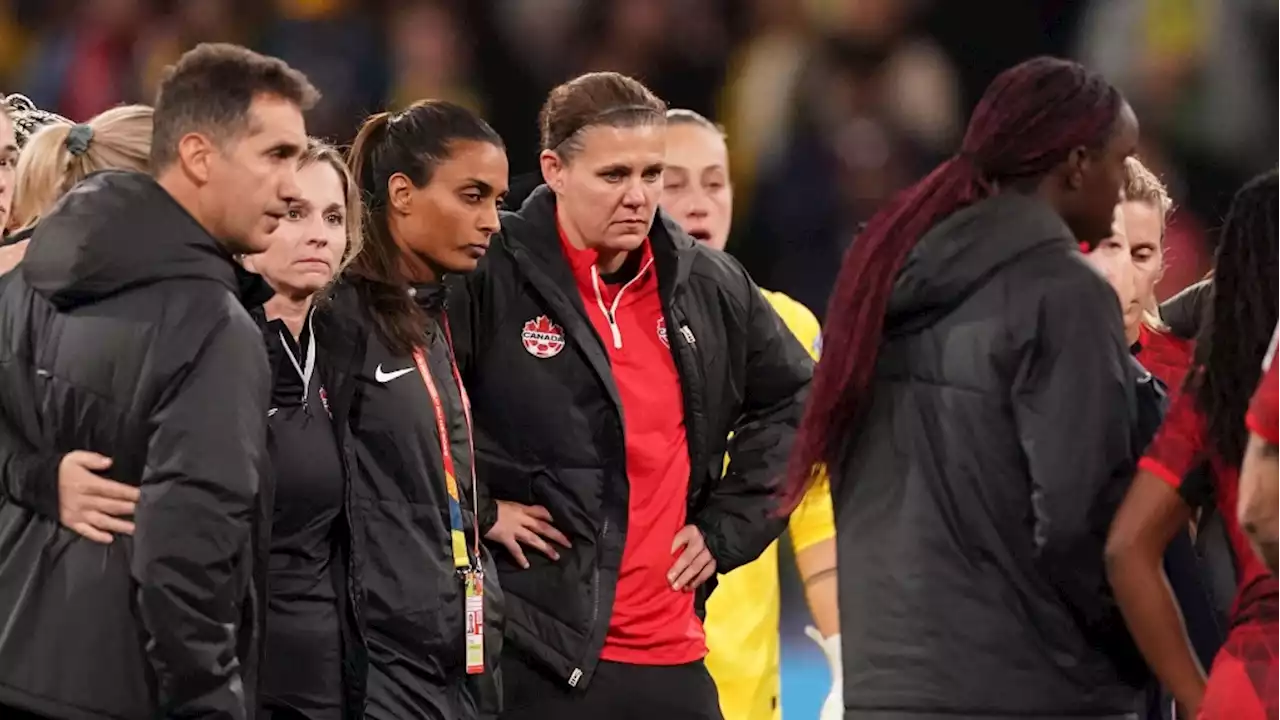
(458, 542)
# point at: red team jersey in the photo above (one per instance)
(1243, 681)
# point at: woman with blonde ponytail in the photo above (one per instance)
(59, 155)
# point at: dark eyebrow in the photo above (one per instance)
(484, 187)
(624, 169)
(9, 149)
(286, 150)
(335, 207)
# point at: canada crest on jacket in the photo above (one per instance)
(542, 338)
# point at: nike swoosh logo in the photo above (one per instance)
(386, 377)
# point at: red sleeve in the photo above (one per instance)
(1179, 446)
(1264, 417)
(1165, 356)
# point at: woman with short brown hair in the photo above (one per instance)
(609, 356)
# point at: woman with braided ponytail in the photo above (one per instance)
(974, 408)
(8, 166)
(19, 119)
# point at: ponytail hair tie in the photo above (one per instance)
(78, 139)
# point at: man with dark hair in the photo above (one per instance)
(124, 335)
(227, 124)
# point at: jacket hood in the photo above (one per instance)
(119, 230)
(962, 253)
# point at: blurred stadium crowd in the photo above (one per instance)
(830, 105)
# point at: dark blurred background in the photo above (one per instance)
(830, 105)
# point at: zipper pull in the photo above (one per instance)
(606, 310)
(613, 327)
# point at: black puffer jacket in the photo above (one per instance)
(973, 504)
(123, 333)
(412, 620)
(549, 431)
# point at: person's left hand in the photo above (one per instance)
(695, 565)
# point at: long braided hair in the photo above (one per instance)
(1029, 120)
(1240, 317)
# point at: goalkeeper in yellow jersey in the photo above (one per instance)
(743, 613)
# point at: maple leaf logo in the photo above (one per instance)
(542, 337)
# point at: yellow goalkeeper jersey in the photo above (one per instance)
(743, 613)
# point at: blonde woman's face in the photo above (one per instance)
(1112, 258)
(1144, 227)
(696, 190)
(305, 250)
(8, 168)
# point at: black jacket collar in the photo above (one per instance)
(252, 288)
(533, 228)
(431, 297)
(532, 239)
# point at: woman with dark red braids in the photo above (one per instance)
(975, 408)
